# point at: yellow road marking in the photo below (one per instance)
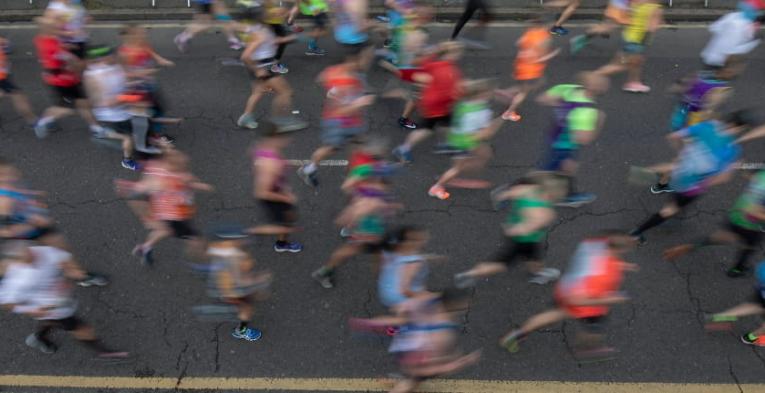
(360, 385)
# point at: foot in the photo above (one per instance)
(345, 232)
(324, 279)
(636, 87)
(315, 52)
(41, 130)
(98, 132)
(129, 163)
(293, 247)
(752, 339)
(511, 116)
(717, 323)
(545, 276)
(578, 43)
(146, 256)
(248, 334)
(33, 342)
(289, 123)
(577, 200)
(112, 355)
(180, 42)
(310, 179)
(235, 45)
(438, 192)
(279, 69)
(659, 188)
(247, 121)
(93, 280)
(511, 341)
(464, 280)
(406, 123)
(403, 156)
(559, 30)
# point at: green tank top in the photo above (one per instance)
(313, 7)
(468, 118)
(753, 197)
(516, 217)
(371, 225)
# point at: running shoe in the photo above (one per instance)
(41, 130)
(559, 30)
(391, 331)
(578, 43)
(511, 341)
(545, 276)
(129, 163)
(716, 323)
(464, 280)
(99, 132)
(577, 200)
(180, 43)
(325, 280)
(235, 45)
(402, 155)
(279, 69)
(247, 121)
(406, 123)
(659, 188)
(33, 342)
(93, 280)
(737, 272)
(147, 257)
(382, 18)
(149, 150)
(439, 192)
(316, 52)
(289, 123)
(310, 179)
(112, 356)
(752, 339)
(496, 203)
(511, 116)
(387, 43)
(293, 247)
(249, 334)
(636, 87)
(345, 232)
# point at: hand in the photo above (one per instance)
(290, 198)
(166, 63)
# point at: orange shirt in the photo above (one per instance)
(531, 47)
(175, 200)
(3, 64)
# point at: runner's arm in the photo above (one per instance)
(265, 176)
(533, 220)
(255, 41)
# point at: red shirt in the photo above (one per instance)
(3, 64)
(52, 56)
(342, 88)
(439, 96)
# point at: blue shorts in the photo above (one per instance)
(336, 135)
(633, 48)
(556, 157)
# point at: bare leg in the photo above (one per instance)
(282, 103)
(322, 153)
(635, 68)
(257, 93)
(83, 108)
(342, 254)
(22, 106)
(485, 269)
(543, 319)
(742, 310)
(567, 12)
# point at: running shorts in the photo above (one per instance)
(320, 21)
(430, 123)
(633, 48)
(67, 324)
(7, 86)
(529, 72)
(279, 213)
(263, 71)
(683, 200)
(335, 134)
(354, 49)
(121, 127)
(182, 229)
(67, 95)
(512, 250)
(556, 157)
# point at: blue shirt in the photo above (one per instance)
(708, 152)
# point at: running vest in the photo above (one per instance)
(637, 31)
(346, 30)
(281, 181)
(226, 264)
(561, 133)
(174, 201)
(23, 208)
(686, 113)
(469, 118)
(267, 49)
(313, 7)
(112, 82)
(515, 217)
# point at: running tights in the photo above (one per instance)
(470, 8)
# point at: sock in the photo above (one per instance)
(310, 168)
(242, 326)
(404, 148)
(654, 220)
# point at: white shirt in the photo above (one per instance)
(39, 285)
(74, 18)
(732, 34)
(111, 81)
(267, 49)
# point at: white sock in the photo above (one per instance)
(46, 120)
(310, 168)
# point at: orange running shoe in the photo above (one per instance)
(438, 192)
(511, 116)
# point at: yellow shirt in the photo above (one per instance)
(641, 14)
(275, 14)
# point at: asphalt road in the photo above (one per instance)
(147, 311)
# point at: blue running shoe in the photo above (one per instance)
(402, 155)
(293, 247)
(577, 200)
(559, 30)
(249, 334)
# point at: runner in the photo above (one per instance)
(259, 56)
(525, 229)
(7, 87)
(471, 6)
(724, 320)
(61, 71)
(646, 17)
(577, 124)
(170, 188)
(73, 18)
(351, 26)
(105, 82)
(233, 280)
(275, 16)
(617, 14)
(743, 229)
(441, 81)
(271, 188)
(534, 51)
(585, 293)
(318, 12)
(708, 152)
(37, 282)
(366, 217)
(397, 12)
(343, 115)
(569, 7)
(733, 35)
(472, 129)
(404, 270)
(209, 13)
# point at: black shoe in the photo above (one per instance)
(659, 188)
